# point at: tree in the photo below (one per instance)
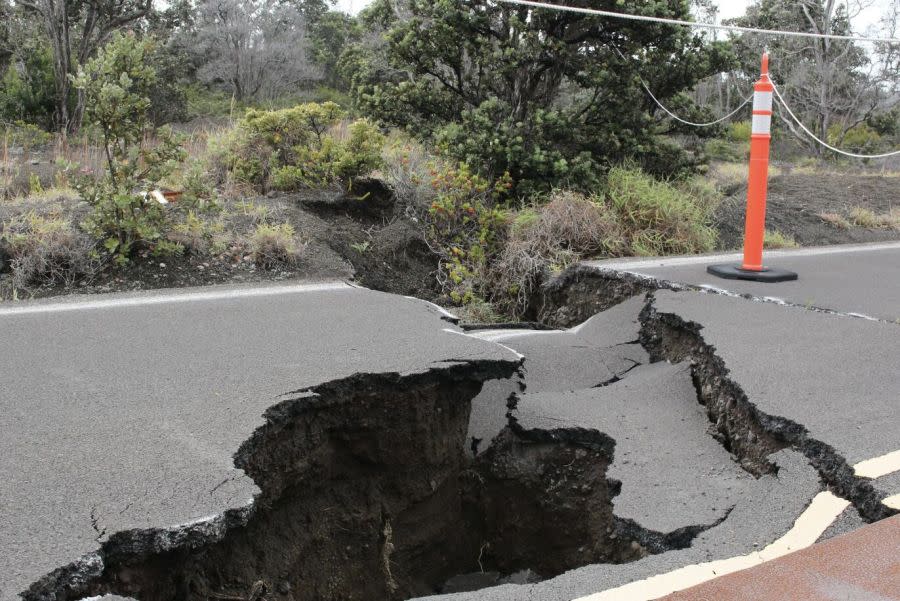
(832, 85)
(548, 96)
(116, 84)
(310, 10)
(330, 34)
(257, 48)
(75, 30)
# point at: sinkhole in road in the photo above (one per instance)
(368, 493)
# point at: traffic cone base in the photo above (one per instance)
(733, 271)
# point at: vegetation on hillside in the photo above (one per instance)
(515, 141)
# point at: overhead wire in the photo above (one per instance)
(673, 115)
(809, 133)
(714, 26)
(781, 100)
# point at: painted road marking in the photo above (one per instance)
(812, 523)
(878, 466)
(10, 309)
(704, 259)
(823, 510)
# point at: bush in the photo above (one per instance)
(273, 246)
(723, 150)
(299, 147)
(860, 139)
(656, 217)
(27, 87)
(739, 131)
(550, 238)
(47, 251)
(534, 152)
(407, 169)
(116, 84)
(466, 229)
(199, 236)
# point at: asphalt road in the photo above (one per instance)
(123, 412)
(836, 376)
(599, 350)
(862, 279)
(673, 473)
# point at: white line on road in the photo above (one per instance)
(11, 309)
(629, 265)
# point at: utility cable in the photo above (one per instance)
(787, 108)
(736, 28)
(673, 115)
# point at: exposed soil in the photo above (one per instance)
(796, 200)
(367, 493)
(747, 432)
(359, 235)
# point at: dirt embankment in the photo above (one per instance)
(361, 234)
(796, 202)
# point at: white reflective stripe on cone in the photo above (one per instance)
(762, 101)
(762, 124)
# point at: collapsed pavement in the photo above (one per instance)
(643, 440)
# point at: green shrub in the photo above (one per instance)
(26, 135)
(46, 250)
(656, 217)
(860, 138)
(27, 87)
(407, 168)
(534, 152)
(197, 235)
(739, 131)
(723, 150)
(274, 245)
(664, 158)
(466, 229)
(297, 148)
(115, 85)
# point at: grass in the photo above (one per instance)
(866, 218)
(273, 246)
(775, 239)
(658, 218)
(837, 220)
(47, 250)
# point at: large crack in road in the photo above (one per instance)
(623, 447)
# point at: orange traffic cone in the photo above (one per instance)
(755, 226)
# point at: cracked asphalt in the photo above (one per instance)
(862, 279)
(835, 376)
(123, 412)
(84, 455)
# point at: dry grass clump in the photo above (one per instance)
(551, 238)
(863, 217)
(408, 169)
(836, 219)
(47, 250)
(275, 245)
